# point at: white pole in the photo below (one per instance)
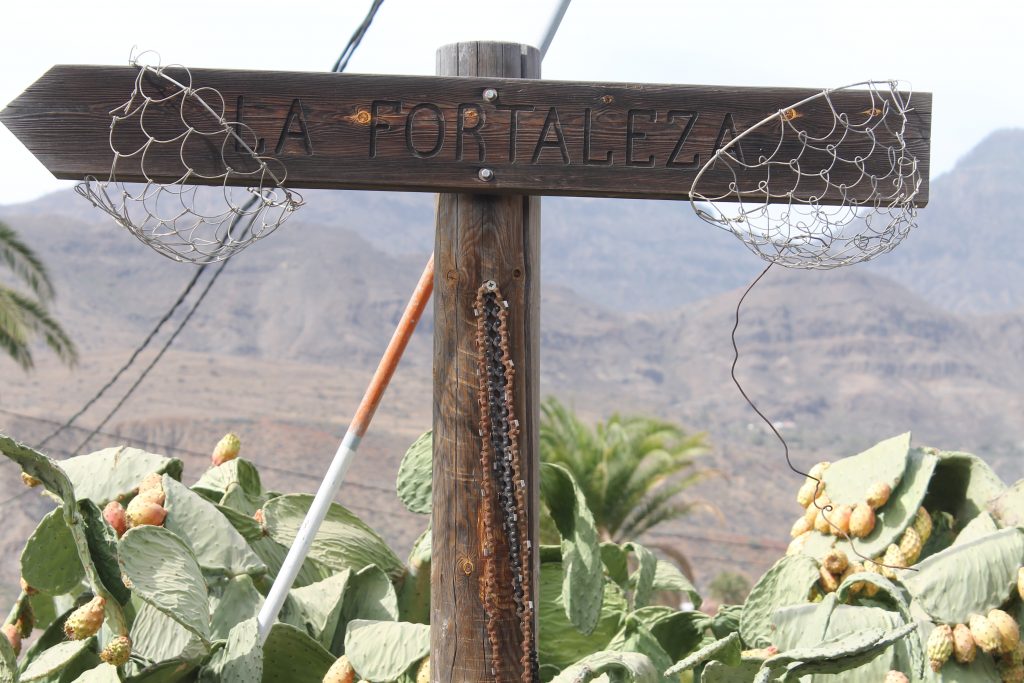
(307, 532)
(343, 457)
(556, 21)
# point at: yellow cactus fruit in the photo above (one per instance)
(153, 480)
(940, 646)
(340, 672)
(828, 581)
(141, 512)
(799, 527)
(818, 471)
(862, 521)
(1017, 655)
(423, 671)
(807, 492)
(985, 634)
(810, 513)
(878, 494)
(118, 651)
(910, 545)
(840, 519)
(923, 524)
(85, 621)
(964, 649)
(1008, 629)
(895, 559)
(1010, 672)
(798, 543)
(835, 562)
(896, 677)
(821, 506)
(152, 489)
(853, 568)
(821, 523)
(226, 449)
(871, 590)
(1020, 583)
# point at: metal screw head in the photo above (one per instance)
(485, 174)
(490, 94)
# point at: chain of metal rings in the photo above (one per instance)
(504, 495)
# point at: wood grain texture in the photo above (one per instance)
(434, 134)
(479, 238)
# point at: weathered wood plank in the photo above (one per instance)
(479, 238)
(428, 133)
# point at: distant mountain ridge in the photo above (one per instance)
(653, 255)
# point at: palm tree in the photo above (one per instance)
(632, 470)
(24, 317)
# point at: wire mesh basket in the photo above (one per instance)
(826, 182)
(202, 216)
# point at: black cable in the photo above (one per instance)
(163, 350)
(357, 37)
(135, 354)
(340, 65)
(736, 360)
(827, 507)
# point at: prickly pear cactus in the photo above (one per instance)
(180, 598)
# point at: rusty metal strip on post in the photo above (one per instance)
(503, 490)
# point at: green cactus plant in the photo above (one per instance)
(414, 475)
(186, 593)
(382, 651)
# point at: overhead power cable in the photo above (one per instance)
(357, 37)
(135, 354)
(167, 450)
(340, 65)
(156, 359)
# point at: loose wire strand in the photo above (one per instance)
(819, 483)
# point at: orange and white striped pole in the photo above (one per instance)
(343, 457)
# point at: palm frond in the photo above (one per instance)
(37, 320)
(13, 335)
(25, 265)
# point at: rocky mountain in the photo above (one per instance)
(638, 305)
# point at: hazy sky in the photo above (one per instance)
(967, 54)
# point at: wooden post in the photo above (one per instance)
(480, 237)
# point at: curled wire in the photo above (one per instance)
(179, 219)
(793, 202)
(819, 485)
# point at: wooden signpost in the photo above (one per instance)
(492, 135)
(490, 138)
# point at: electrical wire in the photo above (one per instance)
(340, 65)
(357, 37)
(156, 359)
(135, 354)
